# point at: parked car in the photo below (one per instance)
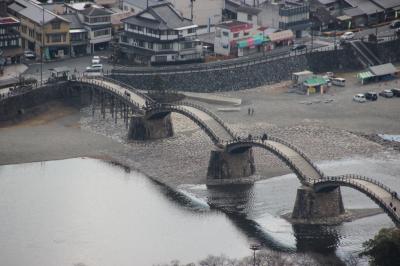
(97, 66)
(29, 54)
(347, 35)
(396, 92)
(371, 95)
(359, 98)
(386, 93)
(95, 60)
(298, 47)
(395, 24)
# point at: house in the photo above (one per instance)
(248, 14)
(97, 21)
(205, 12)
(10, 41)
(137, 6)
(78, 35)
(50, 35)
(158, 35)
(237, 38)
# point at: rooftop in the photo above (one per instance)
(8, 20)
(33, 11)
(162, 16)
(143, 3)
(234, 24)
(365, 6)
(249, 10)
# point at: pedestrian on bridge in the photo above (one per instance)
(264, 137)
(248, 111)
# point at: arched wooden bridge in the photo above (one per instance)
(224, 138)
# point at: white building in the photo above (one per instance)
(204, 11)
(159, 35)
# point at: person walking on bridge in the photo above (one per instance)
(264, 137)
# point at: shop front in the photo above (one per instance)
(251, 45)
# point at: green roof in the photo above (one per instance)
(365, 75)
(315, 81)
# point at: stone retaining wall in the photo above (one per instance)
(386, 51)
(248, 76)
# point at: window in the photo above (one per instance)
(31, 33)
(166, 46)
(192, 30)
(140, 43)
(150, 45)
(54, 38)
(249, 17)
(55, 25)
(100, 19)
(124, 39)
(23, 28)
(187, 45)
(39, 37)
(246, 33)
(225, 33)
(98, 33)
(140, 28)
(236, 34)
(225, 46)
(161, 58)
(2, 31)
(218, 33)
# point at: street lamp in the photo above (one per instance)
(254, 247)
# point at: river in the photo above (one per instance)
(88, 212)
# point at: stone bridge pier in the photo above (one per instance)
(321, 207)
(230, 165)
(147, 128)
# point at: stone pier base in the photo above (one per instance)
(317, 207)
(225, 167)
(141, 128)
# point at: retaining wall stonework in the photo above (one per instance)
(247, 76)
(386, 51)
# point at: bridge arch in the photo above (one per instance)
(160, 109)
(382, 195)
(305, 170)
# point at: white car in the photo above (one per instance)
(360, 98)
(347, 35)
(95, 60)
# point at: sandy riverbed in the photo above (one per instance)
(325, 131)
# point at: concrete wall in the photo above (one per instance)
(249, 76)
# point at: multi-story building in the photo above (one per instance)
(238, 38)
(10, 41)
(78, 35)
(159, 35)
(51, 34)
(97, 21)
(205, 12)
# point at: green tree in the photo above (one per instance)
(384, 248)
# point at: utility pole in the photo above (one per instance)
(191, 9)
(42, 49)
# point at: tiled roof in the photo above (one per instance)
(33, 11)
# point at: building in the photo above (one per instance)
(159, 35)
(248, 14)
(52, 34)
(137, 6)
(78, 35)
(237, 38)
(10, 41)
(205, 12)
(97, 21)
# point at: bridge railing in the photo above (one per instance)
(214, 116)
(371, 180)
(345, 179)
(194, 118)
(130, 87)
(259, 142)
(302, 154)
(101, 84)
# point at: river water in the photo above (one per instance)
(89, 212)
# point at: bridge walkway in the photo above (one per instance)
(135, 98)
(380, 193)
(303, 167)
